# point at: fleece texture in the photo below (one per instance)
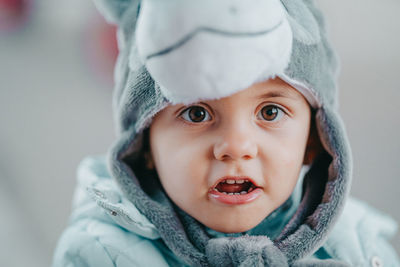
(240, 42)
(144, 86)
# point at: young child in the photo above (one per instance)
(230, 150)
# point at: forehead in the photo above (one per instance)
(272, 89)
(269, 89)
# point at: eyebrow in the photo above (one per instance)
(272, 94)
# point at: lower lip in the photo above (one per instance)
(235, 199)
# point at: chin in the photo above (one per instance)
(237, 228)
(234, 225)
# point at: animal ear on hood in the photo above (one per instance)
(113, 10)
(304, 25)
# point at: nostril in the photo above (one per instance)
(235, 150)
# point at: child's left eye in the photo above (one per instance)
(196, 114)
(270, 113)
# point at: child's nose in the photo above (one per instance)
(235, 143)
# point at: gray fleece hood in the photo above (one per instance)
(183, 51)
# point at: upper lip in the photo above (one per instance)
(239, 177)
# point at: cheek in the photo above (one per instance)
(293, 144)
(182, 179)
(283, 160)
(284, 151)
(181, 168)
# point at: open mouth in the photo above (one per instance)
(235, 191)
(235, 187)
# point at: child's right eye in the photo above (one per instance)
(196, 114)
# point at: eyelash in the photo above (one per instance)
(280, 113)
(184, 115)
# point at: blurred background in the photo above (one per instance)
(56, 60)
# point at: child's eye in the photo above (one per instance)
(195, 114)
(270, 113)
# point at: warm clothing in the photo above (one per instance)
(221, 47)
(107, 230)
(148, 80)
(161, 62)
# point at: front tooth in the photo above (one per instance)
(230, 181)
(237, 194)
(239, 181)
(230, 194)
(224, 193)
(243, 192)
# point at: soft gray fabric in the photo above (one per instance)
(138, 98)
(325, 187)
(313, 65)
(319, 263)
(244, 251)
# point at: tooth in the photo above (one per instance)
(239, 181)
(243, 192)
(230, 181)
(236, 194)
(230, 194)
(215, 189)
(224, 193)
(246, 181)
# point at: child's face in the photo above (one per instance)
(230, 162)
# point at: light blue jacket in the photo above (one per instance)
(107, 230)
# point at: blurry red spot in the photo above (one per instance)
(12, 13)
